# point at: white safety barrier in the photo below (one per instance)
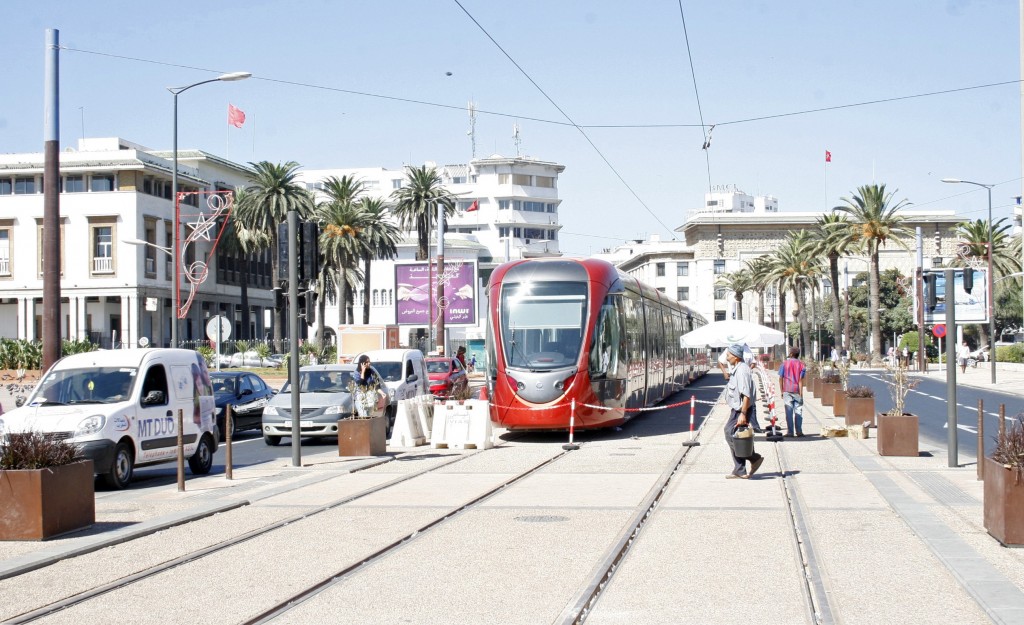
(407, 431)
(462, 425)
(424, 405)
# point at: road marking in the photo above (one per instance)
(960, 426)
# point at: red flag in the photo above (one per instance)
(474, 206)
(828, 156)
(236, 116)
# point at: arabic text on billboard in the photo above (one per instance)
(413, 295)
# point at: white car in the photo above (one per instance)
(249, 359)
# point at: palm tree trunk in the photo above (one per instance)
(349, 314)
(739, 306)
(366, 289)
(321, 310)
(760, 307)
(782, 315)
(341, 293)
(874, 311)
(801, 300)
(837, 317)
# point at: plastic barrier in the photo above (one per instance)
(406, 431)
(462, 425)
(424, 405)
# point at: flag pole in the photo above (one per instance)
(227, 134)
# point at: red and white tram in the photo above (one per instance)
(561, 329)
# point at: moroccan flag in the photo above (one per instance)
(236, 116)
(828, 155)
(474, 206)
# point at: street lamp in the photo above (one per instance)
(174, 188)
(991, 282)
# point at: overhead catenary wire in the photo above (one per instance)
(696, 94)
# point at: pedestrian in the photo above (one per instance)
(834, 357)
(461, 355)
(727, 369)
(365, 387)
(739, 395)
(891, 356)
(906, 356)
(962, 354)
(472, 364)
(792, 374)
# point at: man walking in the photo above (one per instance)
(962, 355)
(792, 375)
(739, 395)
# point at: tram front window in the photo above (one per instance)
(542, 324)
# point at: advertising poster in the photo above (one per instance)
(416, 285)
(970, 307)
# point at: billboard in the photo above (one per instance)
(416, 285)
(970, 307)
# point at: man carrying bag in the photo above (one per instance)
(739, 395)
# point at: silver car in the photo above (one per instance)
(325, 395)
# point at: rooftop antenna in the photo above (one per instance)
(471, 107)
(516, 138)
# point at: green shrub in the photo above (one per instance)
(1010, 353)
(76, 347)
(20, 354)
(860, 391)
(207, 353)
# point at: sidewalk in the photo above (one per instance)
(1009, 376)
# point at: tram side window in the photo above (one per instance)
(604, 353)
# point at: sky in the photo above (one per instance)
(386, 83)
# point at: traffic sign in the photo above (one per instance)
(939, 330)
(225, 328)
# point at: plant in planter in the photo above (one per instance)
(839, 396)
(830, 384)
(898, 430)
(364, 431)
(1004, 486)
(860, 405)
(46, 487)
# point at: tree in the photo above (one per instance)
(833, 240)
(973, 236)
(241, 244)
(340, 248)
(760, 276)
(273, 192)
(738, 282)
(874, 221)
(796, 267)
(379, 240)
(416, 204)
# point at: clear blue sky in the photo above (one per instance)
(603, 63)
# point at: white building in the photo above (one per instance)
(114, 292)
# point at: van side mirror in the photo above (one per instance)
(412, 377)
(153, 398)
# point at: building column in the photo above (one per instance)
(30, 319)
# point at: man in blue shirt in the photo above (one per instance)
(739, 395)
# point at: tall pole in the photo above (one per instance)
(950, 300)
(293, 330)
(174, 230)
(991, 292)
(440, 283)
(51, 201)
(922, 360)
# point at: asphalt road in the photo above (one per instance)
(928, 401)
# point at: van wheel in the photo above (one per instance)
(272, 441)
(202, 461)
(121, 468)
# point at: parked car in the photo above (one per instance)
(250, 359)
(448, 378)
(325, 396)
(246, 392)
(981, 354)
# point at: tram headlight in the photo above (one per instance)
(564, 384)
(514, 383)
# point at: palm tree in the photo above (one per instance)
(340, 248)
(241, 244)
(272, 194)
(760, 275)
(973, 236)
(738, 282)
(874, 221)
(416, 205)
(796, 267)
(832, 239)
(379, 239)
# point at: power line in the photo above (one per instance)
(566, 115)
(696, 93)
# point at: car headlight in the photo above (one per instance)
(90, 425)
(270, 411)
(333, 410)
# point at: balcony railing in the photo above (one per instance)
(103, 264)
(151, 265)
(5, 266)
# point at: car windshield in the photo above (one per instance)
(390, 371)
(102, 385)
(322, 382)
(224, 383)
(438, 366)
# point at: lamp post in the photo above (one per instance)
(991, 280)
(174, 190)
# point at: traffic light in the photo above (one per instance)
(968, 279)
(929, 283)
(310, 307)
(309, 252)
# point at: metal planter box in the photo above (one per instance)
(362, 437)
(42, 503)
(897, 435)
(1004, 504)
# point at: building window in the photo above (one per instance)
(659, 269)
(719, 315)
(533, 233)
(548, 182)
(719, 266)
(376, 294)
(720, 292)
(5, 252)
(533, 207)
(510, 204)
(712, 202)
(24, 186)
(74, 184)
(504, 178)
(683, 269)
(150, 250)
(683, 294)
(101, 183)
(522, 180)
(503, 231)
(396, 183)
(169, 243)
(458, 180)
(5, 186)
(103, 249)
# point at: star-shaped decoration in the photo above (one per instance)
(201, 228)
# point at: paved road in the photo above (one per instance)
(928, 401)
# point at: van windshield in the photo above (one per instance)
(103, 385)
(390, 371)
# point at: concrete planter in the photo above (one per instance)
(362, 437)
(828, 391)
(42, 503)
(860, 410)
(897, 435)
(1004, 504)
(839, 402)
(816, 387)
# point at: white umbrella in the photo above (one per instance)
(725, 333)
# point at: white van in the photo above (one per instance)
(120, 407)
(404, 372)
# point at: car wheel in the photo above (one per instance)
(201, 462)
(120, 473)
(272, 441)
